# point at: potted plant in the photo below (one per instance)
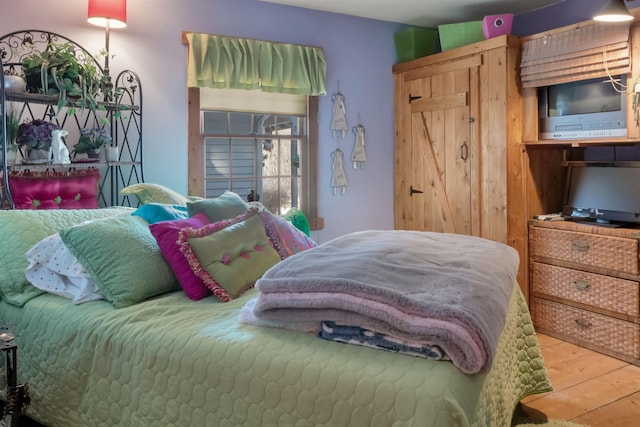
(91, 141)
(35, 137)
(60, 69)
(12, 118)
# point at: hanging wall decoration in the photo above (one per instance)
(339, 118)
(338, 178)
(358, 155)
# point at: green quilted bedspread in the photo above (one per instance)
(170, 361)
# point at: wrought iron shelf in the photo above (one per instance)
(122, 117)
(79, 165)
(37, 98)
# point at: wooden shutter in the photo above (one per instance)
(579, 53)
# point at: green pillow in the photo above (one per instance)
(154, 193)
(123, 257)
(299, 220)
(20, 230)
(230, 255)
(228, 205)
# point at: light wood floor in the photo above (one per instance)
(589, 388)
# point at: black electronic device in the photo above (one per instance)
(605, 195)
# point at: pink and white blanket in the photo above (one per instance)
(439, 289)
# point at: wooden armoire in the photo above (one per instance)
(458, 155)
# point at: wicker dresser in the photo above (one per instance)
(584, 283)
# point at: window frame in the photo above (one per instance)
(196, 155)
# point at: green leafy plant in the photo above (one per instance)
(60, 69)
(91, 139)
(13, 116)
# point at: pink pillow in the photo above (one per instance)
(74, 189)
(166, 234)
(285, 238)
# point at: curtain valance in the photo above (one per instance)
(236, 63)
(577, 54)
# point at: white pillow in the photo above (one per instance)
(54, 269)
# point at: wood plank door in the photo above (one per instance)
(437, 178)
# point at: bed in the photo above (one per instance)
(170, 360)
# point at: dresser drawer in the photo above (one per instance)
(594, 250)
(609, 293)
(586, 327)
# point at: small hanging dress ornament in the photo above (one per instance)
(339, 119)
(338, 179)
(358, 156)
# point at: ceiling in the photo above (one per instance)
(425, 13)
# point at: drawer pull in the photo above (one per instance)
(583, 323)
(581, 285)
(580, 246)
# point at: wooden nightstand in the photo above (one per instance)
(585, 286)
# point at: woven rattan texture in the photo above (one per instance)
(587, 327)
(593, 250)
(609, 293)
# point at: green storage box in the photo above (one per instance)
(462, 34)
(415, 42)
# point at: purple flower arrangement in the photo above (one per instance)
(35, 134)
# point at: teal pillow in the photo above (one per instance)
(230, 255)
(228, 205)
(20, 230)
(123, 257)
(157, 212)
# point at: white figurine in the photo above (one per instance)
(59, 148)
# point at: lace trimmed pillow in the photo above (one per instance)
(284, 236)
(229, 255)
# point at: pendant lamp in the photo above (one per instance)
(614, 11)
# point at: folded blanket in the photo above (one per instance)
(366, 338)
(452, 290)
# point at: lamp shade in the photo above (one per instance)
(111, 12)
(614, 11)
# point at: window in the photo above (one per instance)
(249, 141)
(257, 155)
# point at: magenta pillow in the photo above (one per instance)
(166, 234)
(285, 238)
(74, 189)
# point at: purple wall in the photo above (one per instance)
(558, 15)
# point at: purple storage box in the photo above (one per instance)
(497, 25)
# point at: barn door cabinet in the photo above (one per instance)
(458, 153)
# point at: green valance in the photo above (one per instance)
(234, 63)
